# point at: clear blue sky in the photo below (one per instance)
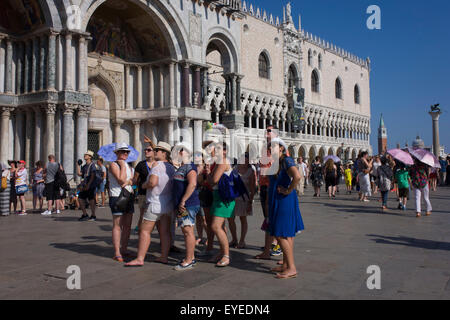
(410, 57)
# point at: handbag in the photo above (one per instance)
(4, 183)
(123, 200)
(21, 189)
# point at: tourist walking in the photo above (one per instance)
(121, 201)
(433, 179)
(187, 202)
(12, 180)
(402, 179)
(88, 172)
(303, 169)
(442, 171)
(5, 189)
(141, 173)
(101, 187)
(221, 210)
(330, 173)
(419, 179)
(285, 220)
(384, 180)
(51, 188)
(159, 187)
(244, 206)
(317, 175)
(364, 167)
(348, 178)
(374, 174)
(38, 186)
(21, 186)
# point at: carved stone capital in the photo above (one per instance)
(50, 108)
(6, 111)
(83, 111)
(68, 109)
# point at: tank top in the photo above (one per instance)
(228, 173)
(114, 187)
(38, 176)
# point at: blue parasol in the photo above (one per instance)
(107, 153)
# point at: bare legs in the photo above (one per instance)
(233, 230)
(288, 268)
(217, 228)
(121, 233)
(189, 238)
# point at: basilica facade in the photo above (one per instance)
(79, 74)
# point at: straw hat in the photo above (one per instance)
(89, 153)
(163, 146)
(121, 147)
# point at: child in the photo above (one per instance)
(348, 178)
(403, 181)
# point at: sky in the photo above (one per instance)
(410, 58)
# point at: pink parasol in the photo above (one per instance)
(402, 156)
(425, 156)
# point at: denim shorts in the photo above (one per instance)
(101, 187)
(189, 220)
(112, 204)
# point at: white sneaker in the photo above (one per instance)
(58, 212)
(46, 213)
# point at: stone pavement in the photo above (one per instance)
(342, 238)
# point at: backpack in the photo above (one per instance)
(61, 179)
(232, 187)
(384, 179)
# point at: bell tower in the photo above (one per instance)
(382, 137)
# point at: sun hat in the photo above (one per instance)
(183, 146)
(89, 153)
(121, 147)
(164, 146)
(280, 142)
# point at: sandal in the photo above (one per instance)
(418, 215)
(284, 276)
(216, 259)
(118, 258)
(222, 264)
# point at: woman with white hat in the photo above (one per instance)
(120, 176)
(5, 188)
(159, 187)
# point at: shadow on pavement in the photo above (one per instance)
(411, 242)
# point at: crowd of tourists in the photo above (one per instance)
(174, 187)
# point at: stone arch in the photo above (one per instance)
(293, 71)
(303, 152)
(111, 81)
(226, 45)
(161, 13)
(322, 152)
(332, 151)
(312, 153)
(292, 151)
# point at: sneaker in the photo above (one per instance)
(46, 213)
(22, 213)
(276, 251)
(93, 218)
(84, 218)
(58, 211)
(180, 266)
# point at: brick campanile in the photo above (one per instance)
(382, 137)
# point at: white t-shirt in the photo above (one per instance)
(22, 177)
(114, 187)
(160, 198)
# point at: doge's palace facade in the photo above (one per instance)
(78, 74)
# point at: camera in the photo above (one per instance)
(80, 162)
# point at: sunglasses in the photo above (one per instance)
(149, 150)
(269, 130)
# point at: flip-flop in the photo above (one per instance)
(133, 265)
(277, 270)
(258, 257)
(118, 258)
(223, 264)
(281, 277)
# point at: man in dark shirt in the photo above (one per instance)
(88, 173)
(141, 173)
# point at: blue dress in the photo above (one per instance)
(285, 219)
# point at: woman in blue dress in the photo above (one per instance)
(285, 220)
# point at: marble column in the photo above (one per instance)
(205, 86)
(436, 143)
(116, 129)
(82, 65)
(68, 58)
(27, 65)
(29, 132)
(2, 66)
(43, 57)
(197, 86)
(51, 61)
(81, 139)
(186, 88)
(172, 88)
(136, 141)
(19, 67)
(19, 135)
(139, 87)
(37, 134)
(169, 131)
(9, 60)
(68, 142)
(153, 129)
(151, 89)
(5, 140)
(161, 86)
(35, 65)
(128, 94)
(50, 129)
(238, 92)
(198, 135)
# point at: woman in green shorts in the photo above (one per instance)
(220, 210)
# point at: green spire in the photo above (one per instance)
(381, 122)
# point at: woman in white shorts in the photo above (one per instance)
(160, 205)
